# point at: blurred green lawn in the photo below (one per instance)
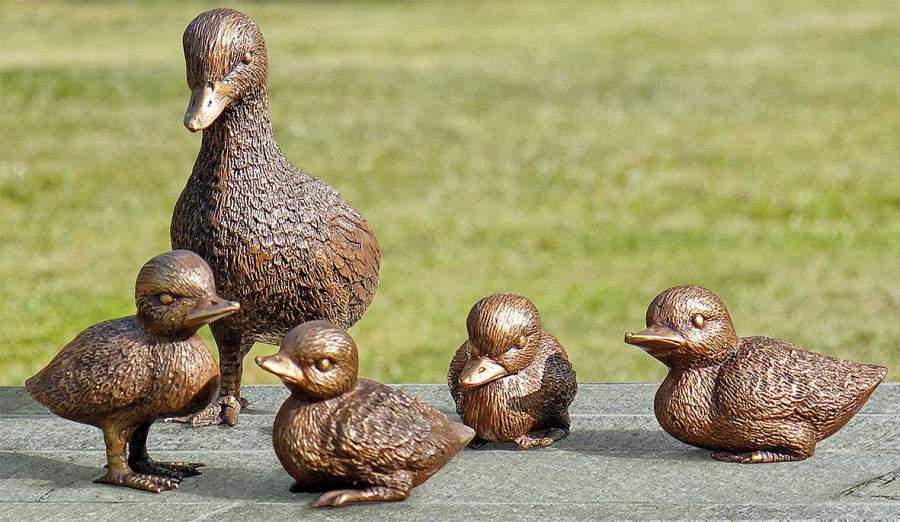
(586, 155)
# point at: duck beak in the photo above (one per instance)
(207, 103)
(657, 340)
(481, 371)
(281, 366)
(209, 311)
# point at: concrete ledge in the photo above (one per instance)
(617, 463)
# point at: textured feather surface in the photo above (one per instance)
(372, 435)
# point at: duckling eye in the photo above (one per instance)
(166, 299)
(247, 58)
(698, 320)
(323, 365)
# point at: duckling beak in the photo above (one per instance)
(657, 340)
(207, 103)
(281, 366)
(209, 311)
(481, 371)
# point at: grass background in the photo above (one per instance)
(587, 155)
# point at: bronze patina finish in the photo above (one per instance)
(511, 381)
(283, 243)
(360, 439)
(121, 375)
(749, 399)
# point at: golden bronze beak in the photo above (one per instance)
(656, 340)
(215, 308)
(481, 371)
(207, 103)
(281, 366)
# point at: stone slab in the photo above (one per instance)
(617, 463)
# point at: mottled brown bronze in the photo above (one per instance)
(360, 439)
(512, 382)
(283, 243)
(749, 399)
(123, 374)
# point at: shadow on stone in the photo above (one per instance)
(14, 465)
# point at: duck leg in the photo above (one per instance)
(788, 442)
(758, 457)
(140, 461)
(541, 438)
(117, 471)
(390, 488)
(224, 410)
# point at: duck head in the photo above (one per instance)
(504, 338)
(686, 326)
(316, 360)
(226, 61)
(175, 295)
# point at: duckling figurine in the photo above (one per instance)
(362, 439)
(512, 382)
(121, 375)
(748, 399)
(284, 244)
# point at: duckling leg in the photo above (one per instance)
(117, 471)
(541, 438)
(139, 460)
(787, 442)
(392, 487)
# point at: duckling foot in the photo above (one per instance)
(172, 470)
(757, 457)
(541, 438)
(338, 498)
(130, 479)
(478, 443)
(223, 411)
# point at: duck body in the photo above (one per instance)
(114, 374)
(534, 399)
(373, 435)
(750, 399)
(283, 243)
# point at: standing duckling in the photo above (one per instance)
(510, 380)
(123, 374)
(283, 243)
(749, 399)
(337, 431)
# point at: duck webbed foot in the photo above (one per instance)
(172, 470)
(541, 438)
(758, 457)
(223, 411)
(339, 497)
(130, 479)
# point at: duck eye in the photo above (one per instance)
(698, 320)
(323, 365)
(166, 299)
(247, 58)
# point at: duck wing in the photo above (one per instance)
(774, 379)
(103, 370)
(460, 358)
(392, 430)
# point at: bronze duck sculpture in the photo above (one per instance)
(361, 439)
(748, 399)
(512, 382)
(283, 243)
(121, 375)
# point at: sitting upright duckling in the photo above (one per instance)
(123, 374)
(510, 380)
(337, 431)
(749, 399)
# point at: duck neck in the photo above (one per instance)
(240, 139)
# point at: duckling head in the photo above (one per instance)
(175, 295)
(226, 61)
(504, 338)
(316, 360)
(686, 326)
